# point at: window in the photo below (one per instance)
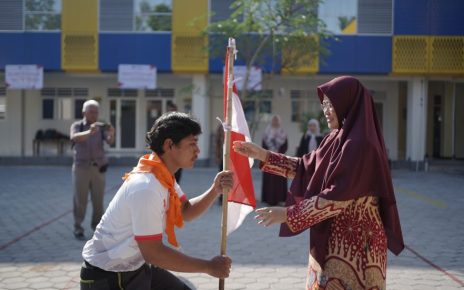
(78, 104)
(153, 15)
(340, 16)
(42, 15)
(48, 108)
(63, 103)
(2, 103)
(357, 16)
(257, 104)
(303, 104)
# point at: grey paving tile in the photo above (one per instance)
(50, 258)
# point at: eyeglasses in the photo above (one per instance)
(327, 106)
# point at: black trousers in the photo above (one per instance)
(145, 278)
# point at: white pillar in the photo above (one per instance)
(416, 120)
(200, 110)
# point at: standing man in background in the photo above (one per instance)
(89, 165)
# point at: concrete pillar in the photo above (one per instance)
(416, 122)
(200, 110)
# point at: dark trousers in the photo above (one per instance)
(145, 278)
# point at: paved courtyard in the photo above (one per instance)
(38, 250)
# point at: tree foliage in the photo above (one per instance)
(284, 33)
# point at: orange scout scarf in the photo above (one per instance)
(152, 163)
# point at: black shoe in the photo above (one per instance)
(79, 236)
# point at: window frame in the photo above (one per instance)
(4, 114)
(26, 13)
(54, 95)
(148, 14)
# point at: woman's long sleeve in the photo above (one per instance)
(280, 164)
(309, 212)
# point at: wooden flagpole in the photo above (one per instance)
(225, 158)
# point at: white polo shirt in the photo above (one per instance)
(137, 212)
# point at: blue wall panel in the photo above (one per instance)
(410, 17)
(31, 48)
(358, 54)
(447, 17)
(218, 47)
(429, 17)
(135, 48)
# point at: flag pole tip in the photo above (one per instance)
(231, 41)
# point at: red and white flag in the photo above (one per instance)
(241, 198)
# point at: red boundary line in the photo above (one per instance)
(4, 246)
(17, 239)
(435, 266)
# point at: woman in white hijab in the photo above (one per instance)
(311, 139)
(274, 188)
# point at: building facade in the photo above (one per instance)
(410, 54)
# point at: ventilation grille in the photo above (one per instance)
(114, 92)
(80, 52)
(447, 55)
(64, 92)
(11, 15)
(375, 16)
(410, 54)
(116, 15)
(189, 54)
(2, 91)
(166, 93)
(429, 55)
(300, 94)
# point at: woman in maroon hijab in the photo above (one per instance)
(342, 191)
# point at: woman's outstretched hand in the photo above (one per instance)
(271, 215)
(251, 150)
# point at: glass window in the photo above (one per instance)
(48, 106)
(340, 16)
(65, 108)
(154, 111)
(297, 110)
(357, 16)
(2, 107)
(153, 15)
(458, 121)
(42, 15)
(265, 106)
(78, 104)
(261, 105)
(249, 110)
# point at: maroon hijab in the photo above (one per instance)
(350, 162)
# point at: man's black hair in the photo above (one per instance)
(173, 125)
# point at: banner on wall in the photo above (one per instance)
(254, 79)
(136, 76)
(24, 76)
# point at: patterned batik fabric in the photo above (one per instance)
(357, 248)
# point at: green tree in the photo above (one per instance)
(264, 29)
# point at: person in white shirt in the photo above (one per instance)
(127, 249)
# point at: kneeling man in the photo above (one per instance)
(126, 250)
